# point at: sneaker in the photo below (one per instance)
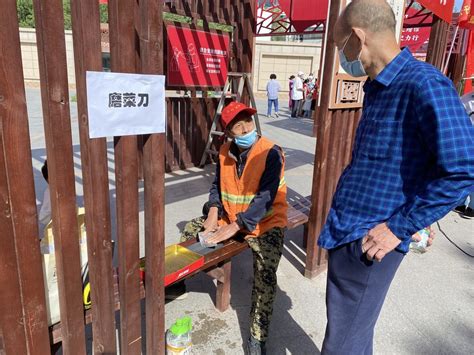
(256, 347)
(460, 209)
(468, 213)
(176, 291)
(277, 115)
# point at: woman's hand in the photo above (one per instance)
(224, 233)
(210, 224)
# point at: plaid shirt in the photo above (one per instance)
(413, 156)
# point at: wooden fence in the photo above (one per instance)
(137, 45)
(189, 120)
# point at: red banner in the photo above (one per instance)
(466, 16)
(197, 58)
(441, 8)
(470, 64)
(414, 38)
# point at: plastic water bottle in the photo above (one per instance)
(420, 247)
(178, 337)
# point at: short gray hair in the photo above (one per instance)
(373, 15)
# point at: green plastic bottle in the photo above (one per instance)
(178, 337)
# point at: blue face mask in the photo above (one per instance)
(354, 68)
(246, 140)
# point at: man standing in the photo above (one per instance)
(273, 88)
(412, 162)
(297, 94)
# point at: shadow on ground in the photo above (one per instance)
(299, 125)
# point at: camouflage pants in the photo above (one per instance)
(192, 228)
(266, 250)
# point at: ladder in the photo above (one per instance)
(233, 88)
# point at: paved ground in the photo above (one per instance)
(429, 308)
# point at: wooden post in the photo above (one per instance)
(248, 40)
(55, 99)
(315, 255)
(318, 76)
(122, 58)
(151, 51)
(244, 39)
(223, 287)
(23, 322)
(87, 53)
(437, 43)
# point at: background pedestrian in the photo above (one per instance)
(273, 88)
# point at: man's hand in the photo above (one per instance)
(431, 237)
(224, 233)
(379, 242)
(417, 238)
(210, 224)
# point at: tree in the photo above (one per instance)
(26, 14)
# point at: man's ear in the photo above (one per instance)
(360, 33)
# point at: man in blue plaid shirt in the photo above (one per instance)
(412, 162)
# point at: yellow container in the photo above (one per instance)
(179, 262)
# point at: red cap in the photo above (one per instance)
(233, 109)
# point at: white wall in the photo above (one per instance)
(283, 59)
(29, 54)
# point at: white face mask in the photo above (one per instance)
(353, 68)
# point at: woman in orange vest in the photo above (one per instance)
(248, 198)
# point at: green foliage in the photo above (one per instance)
(168, 16)
(221, 27)
(104, 13)
(26, 16)
(25, 13)
(67, 14)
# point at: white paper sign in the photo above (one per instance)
(125, 104)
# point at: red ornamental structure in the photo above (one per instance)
(289, 17)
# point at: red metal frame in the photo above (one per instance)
(271, 17)
(461, 36)
(422, 18)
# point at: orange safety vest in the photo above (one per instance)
(237, 193)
